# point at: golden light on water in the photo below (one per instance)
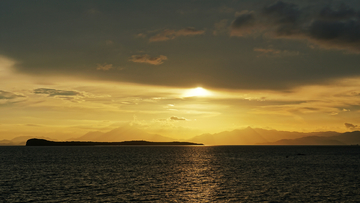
(197, 92)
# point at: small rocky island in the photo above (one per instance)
(42, 142)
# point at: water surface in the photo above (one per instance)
(179, 173)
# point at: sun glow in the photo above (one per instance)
(197, 92)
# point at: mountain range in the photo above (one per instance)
(258, 136)
(246, 136)
(123, 133)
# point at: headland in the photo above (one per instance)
(43, 142)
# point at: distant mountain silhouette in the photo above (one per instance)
(275, 135)
(247, 136)
(351, 138)
(21, 140)
(256, 136)
(123, 133)
(308, 140)
(347, 138)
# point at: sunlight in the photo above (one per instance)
(197, 92)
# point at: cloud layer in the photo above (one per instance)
(78, 44)
(327, 27)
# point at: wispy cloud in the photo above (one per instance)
(54, 92)
(221, 27)
(172, 34)
(275, 52)
(175, 118)
(147, 59)
(9, 95)
(104, 67)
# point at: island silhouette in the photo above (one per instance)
(43, 142)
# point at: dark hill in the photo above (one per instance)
(351, 138)
(42, 142)
(309, 140)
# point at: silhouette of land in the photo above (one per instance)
(42, 142)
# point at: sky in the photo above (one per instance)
(178, 68)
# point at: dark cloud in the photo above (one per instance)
(69, 38)
(243, 24)
(32, 125)
(244, 19)
(9, 95)
(175, 118)
(54, 92)
(343, 12)
(282, 13)
(337, 34)
(351, 126)
(327, 27)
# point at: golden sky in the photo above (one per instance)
(178, 68)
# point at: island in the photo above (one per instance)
(43, 142)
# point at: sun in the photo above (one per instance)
(197, 92)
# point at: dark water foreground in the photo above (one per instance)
(180, 173)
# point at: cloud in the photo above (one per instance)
(327, 27)
(225, 9)
(140, 35)
(215, 62)
(109, 42)
(6, 67)
(342, 13)
(147, 59)
(54, 92)
(175, 118)
(10, 98)
(351, 126)
(104, 67)
(172, 34)
(282, 13)
(244, 24)
(266, 51)
(9, 95)
(93, 11)
(221, 27)
(275, 52)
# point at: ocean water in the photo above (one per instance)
(180, 174)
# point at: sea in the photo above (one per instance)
(180, 174)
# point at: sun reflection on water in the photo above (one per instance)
(197, 179)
